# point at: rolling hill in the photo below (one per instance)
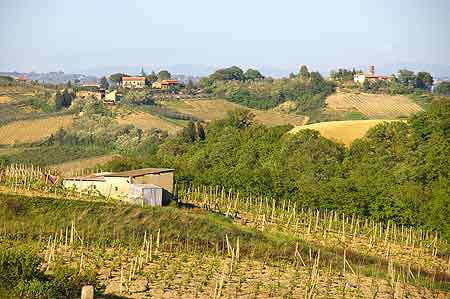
(32, 130)
(209, 110)
(373, 106)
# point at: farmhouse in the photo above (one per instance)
(91, 84)
(164, 84)
(83, 94)
(370, 76)
(112, 97)
(133, 82)
(147, 186)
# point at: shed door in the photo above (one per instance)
(153, 196)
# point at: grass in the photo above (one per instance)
(66, 168)
(342, 131)
(27, 131)
(372, 106)
(147, 121)
(50, 155)
(185, 229)
(213, 109)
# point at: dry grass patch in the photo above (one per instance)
(209, 110)
(374, 106)
(342, 131)
(146, 122)
(33, 130)
(5, 99)
(69, 167)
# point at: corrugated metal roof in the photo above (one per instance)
(131, 173)
(139, 172)
(91, 177)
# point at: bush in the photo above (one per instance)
(20, 272)
(18, 263)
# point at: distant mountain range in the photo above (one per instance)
(52, 77)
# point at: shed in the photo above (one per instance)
(147, 194)
(118, 184)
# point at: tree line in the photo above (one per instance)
(398, 172)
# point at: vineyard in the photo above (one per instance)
(217, 244)
(32, 130)
(374, 106)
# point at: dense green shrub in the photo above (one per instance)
(21, 277)
(398, 172)
(18, 263)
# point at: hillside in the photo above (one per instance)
(32, 130)
(214, 109)
(146, 121)
(342, 131)
(177, 252)
(68, 168)
(372, 106)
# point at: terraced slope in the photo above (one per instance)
(374, 106)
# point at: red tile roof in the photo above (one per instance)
(133, 78)
(169, 81)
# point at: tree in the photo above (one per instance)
(342, 75)
(143, 74)
(69, 84)
(164, 75)
(424, 80)
(189, 133)
(200, 132)
(58, 99)
(104, 83)
(252, 74)
(407, 78)
(149, 79)
(60, 135)
(443, 88)
(66, 98)
(117, 78)
(304, 73)
(366, 85)
(240, 118)
(228, 74)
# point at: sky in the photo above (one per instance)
(75, 36)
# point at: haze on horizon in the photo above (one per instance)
(75, 36)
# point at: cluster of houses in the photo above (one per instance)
(127, 82)
(370, 76)
(139, 82)
(147, 186)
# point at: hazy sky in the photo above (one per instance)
(79, 35)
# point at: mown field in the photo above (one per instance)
(214, 109)
(230, 248)
(373, 106)
(32, 130)
(342, 131)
